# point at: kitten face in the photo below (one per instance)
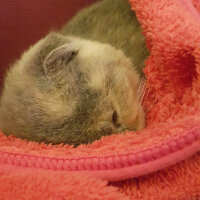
(70, 90)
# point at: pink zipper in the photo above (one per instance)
(150, 154)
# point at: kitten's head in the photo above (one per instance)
(70, 90)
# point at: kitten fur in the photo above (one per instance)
(78, 85)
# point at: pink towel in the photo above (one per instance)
(160, 162)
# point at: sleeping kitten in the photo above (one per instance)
(76, 86)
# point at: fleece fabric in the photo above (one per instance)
(162, 161)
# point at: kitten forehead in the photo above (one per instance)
(97, 80)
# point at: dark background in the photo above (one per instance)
(23, 22)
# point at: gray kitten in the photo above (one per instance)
(76, 86)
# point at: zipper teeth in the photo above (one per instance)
(103, 163)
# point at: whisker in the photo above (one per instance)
(145, 97)
(140, 83)
(143, 93)
(147, 107)
(141, 90)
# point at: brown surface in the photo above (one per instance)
(23, 22)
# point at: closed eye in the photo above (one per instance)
(115, 119)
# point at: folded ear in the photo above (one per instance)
(51, 55)
(46, 45)
(58, 59)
